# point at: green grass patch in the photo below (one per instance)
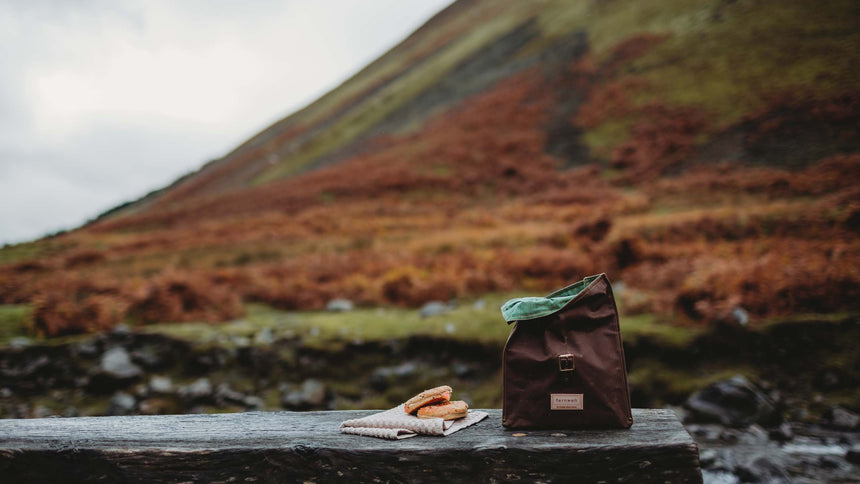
(638, 326)
(15, 320)
(9, 254)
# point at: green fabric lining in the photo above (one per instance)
(523, 308)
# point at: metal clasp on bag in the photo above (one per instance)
(565, 362)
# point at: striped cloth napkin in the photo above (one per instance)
(396, 424)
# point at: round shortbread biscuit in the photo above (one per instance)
(445, 411)
(433, 395)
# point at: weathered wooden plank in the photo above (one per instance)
(307, 446)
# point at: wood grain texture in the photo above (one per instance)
(307, 446)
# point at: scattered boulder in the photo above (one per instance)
(253, 402)
(40, 411)
(717, 460)
(158, 406)
(384, 376)
(264, 337)
(225, 395)
(736, 402)
(199, 390)
(151, 356)
(121, 404)
(761, 469)
(115, 370)
(844, 419)
(20, 342)
(88, 348)
(339, 305)
(160, 385)
(25, 367)
(116, 363)
(433, 308)
(740, 316)
(783, 433)
(311, 394)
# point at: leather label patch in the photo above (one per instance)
(565, 401)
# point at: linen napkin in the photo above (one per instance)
(396, 424)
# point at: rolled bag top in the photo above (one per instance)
(525, 308)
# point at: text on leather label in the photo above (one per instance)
(566, 401)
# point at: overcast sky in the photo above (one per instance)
(103, 101)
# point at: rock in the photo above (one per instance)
(42, 412)
(292, 400)
(708, 432)
(740, 315)
(19, 342)
(86, 349)
(253, 402)
(240, 341)
(433, 308)
(225, 395)
(754, 434)
(157, 406)
(382, 377)
(264, 337)
(27, 367)
(479, 305)
(339, 305)
(5, 392)
(761, 469)
(200, 389)
(462, 370)
(116, 363)
(151, 357)
(311, 394)
(783, 433)
(853, 454)
(121, 404)
(735, 403)
(717, 460)
(844, 419)
(160, 385)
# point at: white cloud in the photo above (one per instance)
(102, 101)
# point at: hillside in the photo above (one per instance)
(706, 154)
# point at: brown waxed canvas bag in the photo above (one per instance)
(563, 364)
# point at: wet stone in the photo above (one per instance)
(121, 404)
(736, 402)
(160, 384)
(433, 308)
(117, 363)
(844, 419)
(783, 433)
(200, 389)
(761, 469)
(339, 305)
(312, 393)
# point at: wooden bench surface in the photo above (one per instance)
(307, 446)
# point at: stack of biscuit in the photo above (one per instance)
(436, 403)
